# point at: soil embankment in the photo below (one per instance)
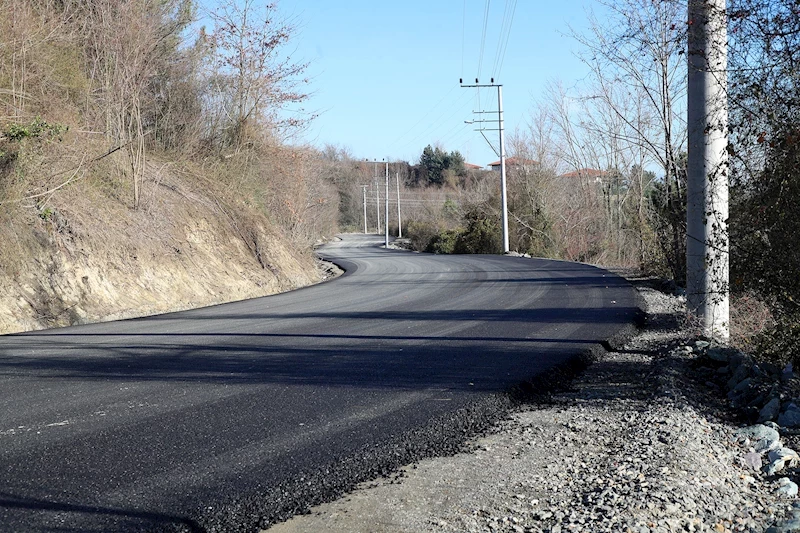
(79, 261)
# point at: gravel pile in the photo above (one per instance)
(645, 440)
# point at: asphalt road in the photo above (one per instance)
(230, 417)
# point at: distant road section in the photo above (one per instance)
(234, 416)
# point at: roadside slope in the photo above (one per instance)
(87, 260)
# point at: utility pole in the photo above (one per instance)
(364, 188)
(707, 245)
(386, 217)
(377, 198)
(501, 154)
(399, 223)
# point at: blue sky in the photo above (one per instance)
(385, 74)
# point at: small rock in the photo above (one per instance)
(743, 385)
(786, 488)
(718, 354)
(701, 344)
(790, 417)
(753, 460)
(757, 432)
(773, 467)
(769, 411)
(766, 444)
(786, 455)
(787, 374)
(742, 372)
(785, 527)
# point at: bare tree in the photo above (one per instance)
(635, 52)
(254, 79)
(127, 41)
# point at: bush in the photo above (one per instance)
(443, 242)
(420, 233)
(482, 236)
(781, 342)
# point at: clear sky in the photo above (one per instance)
(385, 73)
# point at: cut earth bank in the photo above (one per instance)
(655, 437)
(185, 250)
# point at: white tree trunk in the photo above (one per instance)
(707, 191)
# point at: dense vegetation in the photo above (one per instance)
(101, 101)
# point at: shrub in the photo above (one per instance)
(482, 235)
(443, 242)
(420, 233)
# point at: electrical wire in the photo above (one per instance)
(508, 36)
(483, 46)
(483, 37)
(503, 25)
(424, 116)
(463, 34)
(449, 136)
(438, 120)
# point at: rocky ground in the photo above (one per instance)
(653, 437)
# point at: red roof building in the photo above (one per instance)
(513, 162)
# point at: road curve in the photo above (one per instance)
(230, 417)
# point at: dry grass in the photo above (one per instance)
(750, 317)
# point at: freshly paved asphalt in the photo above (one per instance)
(227, 417)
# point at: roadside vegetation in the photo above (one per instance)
(125, 127)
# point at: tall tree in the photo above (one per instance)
(255, 78)
(636, 55)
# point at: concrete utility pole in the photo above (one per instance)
(364, 187)
(399, 223)
(503, 196)
(707, 288)
(501, 154)
(377, 198)
(386, 216)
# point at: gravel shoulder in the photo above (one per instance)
(641, 441)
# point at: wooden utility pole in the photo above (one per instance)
(707, 288)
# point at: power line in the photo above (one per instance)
(483, 46)
(437, 121)
(483, 36)
(503, 24)
(508, 37)
(463, 33)
(448, 137)
(426, 115)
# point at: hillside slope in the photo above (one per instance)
(81, 260)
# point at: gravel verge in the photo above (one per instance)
(642, 441)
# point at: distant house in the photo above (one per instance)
(518, 162)
(587, 175)
(470, 166)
